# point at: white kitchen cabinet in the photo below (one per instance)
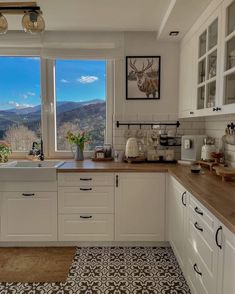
(202, 250)
(29, 216)
(86, 206)
(226, 281)
(177, 219)
(208, 65)
(209, 89)
(140, 207)
(187, 75)
(227, 77)
(86, 227)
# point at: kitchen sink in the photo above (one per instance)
(29, 170)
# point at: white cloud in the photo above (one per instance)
(31, 94)
(19, 105)
(87, 79)
(64, 81)
(26, 95)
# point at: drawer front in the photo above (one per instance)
(86, 179)
(86, 227)
(202, 252)
(86, 200)
(202, 213)
(203, 243)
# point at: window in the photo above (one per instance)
(80, 95)
(20, 105)
(46, 98)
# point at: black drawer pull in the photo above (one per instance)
(216, 237)
(197, 227)
(197, 210)
(182, 198)
(196, 269)
(85, 216)
(28, 194)
(85, 189)
(85, 179)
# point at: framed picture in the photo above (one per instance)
(143, 77)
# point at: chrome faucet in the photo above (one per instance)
(36, 151)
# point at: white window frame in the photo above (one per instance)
(49, 107)
(48, 126)
(23, 52)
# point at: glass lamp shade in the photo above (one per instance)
(33, 22)
(3, 24)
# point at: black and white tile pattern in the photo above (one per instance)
(114, 270)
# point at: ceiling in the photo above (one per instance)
(117, 15)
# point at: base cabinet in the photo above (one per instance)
(86, 207)
(227, 262)
(29, 216)
(205, 248)
(140, 207)
(177, 217)
(86, 227)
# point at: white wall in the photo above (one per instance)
(145, 43)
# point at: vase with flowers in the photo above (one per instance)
(5, 151)
(78, 140)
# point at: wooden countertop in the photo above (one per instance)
(217, 196)
(111, 166)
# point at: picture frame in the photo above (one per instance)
(143, 77)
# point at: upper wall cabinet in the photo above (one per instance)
(227, 78)
(207, 64)
(212, 61)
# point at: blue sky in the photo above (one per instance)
(76, 80)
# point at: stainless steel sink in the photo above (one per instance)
(29, 170)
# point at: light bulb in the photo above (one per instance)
(3, 24)
(33, 22)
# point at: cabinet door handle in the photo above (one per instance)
(117, 180)
(85, 189)
(216, 237)
(85, 179)
(198, 227)
(196, 269)
(85, 216)
(182, 198)
(197, 210)
(28, 194)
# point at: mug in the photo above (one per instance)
(118, 155)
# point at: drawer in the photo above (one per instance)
(85, 179)
(203, 243)
(204, 254)
(201, 213)
(86, 227)
(86, 199)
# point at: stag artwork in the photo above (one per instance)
(146, 83)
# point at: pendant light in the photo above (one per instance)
(3, 24)
(33, 22)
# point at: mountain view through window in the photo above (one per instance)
(20, 104)
(80, 100)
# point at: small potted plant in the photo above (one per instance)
(5, 151)
(78, 140)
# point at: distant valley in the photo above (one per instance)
(89, 116)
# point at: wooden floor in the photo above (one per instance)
(35, 264)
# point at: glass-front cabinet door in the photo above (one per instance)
(207, 65)
(228, 43)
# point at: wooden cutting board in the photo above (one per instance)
(225, 172)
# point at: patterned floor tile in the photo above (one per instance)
(114, 270)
